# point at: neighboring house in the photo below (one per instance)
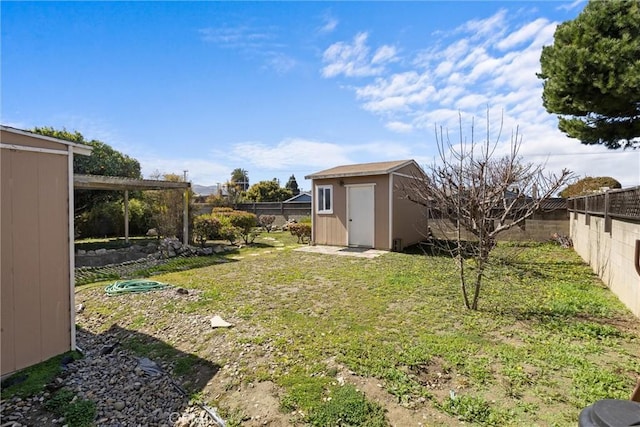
(302, 197)
(364, 205)
(37, 256)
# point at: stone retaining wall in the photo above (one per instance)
(166, 248)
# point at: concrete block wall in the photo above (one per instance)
(610, 254)
(536, 230)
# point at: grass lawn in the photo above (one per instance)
(387, 340)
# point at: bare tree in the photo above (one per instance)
(480, 194)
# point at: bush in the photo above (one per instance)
(104, 219)
(266, 221)
(234, 224)
(301, 230)
(205, 227)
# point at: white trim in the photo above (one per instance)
(372, 184)
(77, 148)
(404, 175)
(72, 255)
(331, 199)
(34, 149)
(391, 200)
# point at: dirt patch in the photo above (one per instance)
(422, 414)
(259, 403)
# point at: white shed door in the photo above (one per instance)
(360, 213)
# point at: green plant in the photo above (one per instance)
(205, 227)
(59, 401)
(235, 223)
(80, 413)
(474, 409)
(32, 380)
(346, 406)
(301, 230)
(266, 222)
(76, 412)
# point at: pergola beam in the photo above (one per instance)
(116, 183)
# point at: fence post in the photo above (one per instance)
(607, 217)
(587, 217)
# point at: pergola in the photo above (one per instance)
(97, 182)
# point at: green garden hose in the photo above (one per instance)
(136, 285)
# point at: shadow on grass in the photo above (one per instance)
(443, 248)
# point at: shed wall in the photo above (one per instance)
(331, 229)
(35, 264)
(409, 218)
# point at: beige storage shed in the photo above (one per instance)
(37, 258)
(364, 205)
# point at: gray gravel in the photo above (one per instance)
(124, 393)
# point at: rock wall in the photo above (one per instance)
(165, 248)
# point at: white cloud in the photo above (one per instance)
(280, 62)
(353, 59)
(485, 63)
(329, 25)
(399, 127)
(237, 37)
(525, 33)
(396, 93)
(571, 5)
(289, 153)
(384, 54)
(200, 171)
(487, 30)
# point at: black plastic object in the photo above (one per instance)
(610, 413)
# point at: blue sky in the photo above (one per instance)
(281, 88)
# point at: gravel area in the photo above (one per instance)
(127, 390)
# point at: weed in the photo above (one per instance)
(476, 410)
(76, 412)
(33, 379)
(59, 401)
(346, 406)
(80, 413)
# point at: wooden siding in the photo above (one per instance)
(35, 318)
(331, 229)
(409, 218)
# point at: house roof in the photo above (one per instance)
(305, 195)
(361, 169)
(77, 148)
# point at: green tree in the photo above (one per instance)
(588, 185)
(292, 185)
(240, 178)
(104, 160)
(268, 191)
(591, 74)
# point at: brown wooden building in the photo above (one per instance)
(37, 260)
(364, 205)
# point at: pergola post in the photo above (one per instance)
(126, 216)
(185, 218)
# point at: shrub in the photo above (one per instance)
(235, 223)
(266, 221)
(205, 227)
(301, 230)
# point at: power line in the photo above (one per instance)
(581, 154)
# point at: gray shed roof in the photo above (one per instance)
(361, 169)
